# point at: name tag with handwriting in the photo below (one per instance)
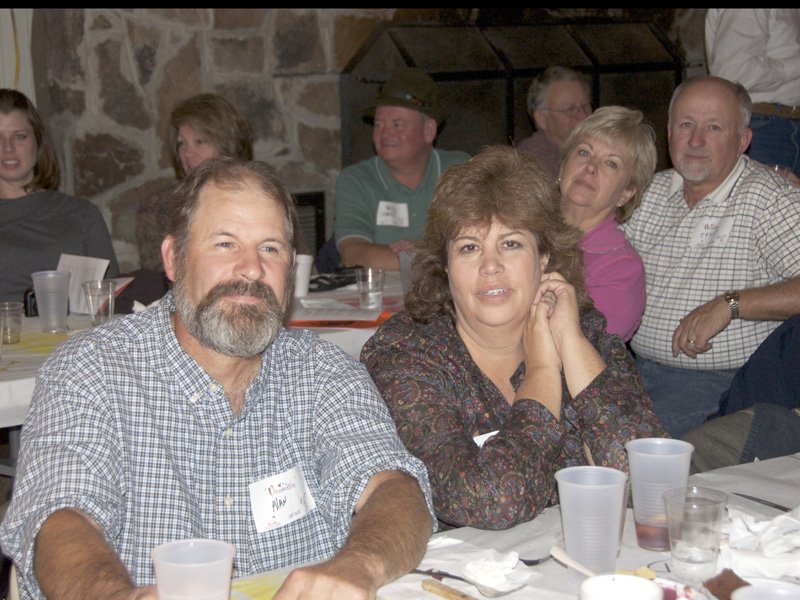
(712, 232)
(394, 214)
(278, 500)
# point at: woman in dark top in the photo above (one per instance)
(37, 222)
(499, 372)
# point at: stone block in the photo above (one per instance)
(239, 18)
(321, 147)
(103, 161)
(242, 55)
(121, 99)
(297, 45)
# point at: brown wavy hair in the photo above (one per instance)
(499, 184)
(46, 175)
(219, 121)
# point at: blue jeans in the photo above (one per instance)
(683, 398)
(776, 141)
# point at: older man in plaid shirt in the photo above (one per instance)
(185, 420)
(720, 239)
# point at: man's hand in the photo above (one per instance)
(403, 246)
(699, 326)
(387, 539)
(334, 579)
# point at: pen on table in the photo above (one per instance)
(445, 591)
(765, 502)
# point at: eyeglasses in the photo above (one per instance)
(573, 111)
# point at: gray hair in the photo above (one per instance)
(541, 83)
(739, 91)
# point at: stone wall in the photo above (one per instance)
(107, 80)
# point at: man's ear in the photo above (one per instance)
(538, 118)
(168, 256)
(744, 140)
(429, 130)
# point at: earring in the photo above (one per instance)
(558, 181)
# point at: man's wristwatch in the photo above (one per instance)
(732, 298)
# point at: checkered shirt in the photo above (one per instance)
(763, 249)
(128, 428)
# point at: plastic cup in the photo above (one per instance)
(694, 519)
(592, 501)
(619, 587)
(302, 273)
(52, 299)
(100, 299)
(370, 287)
(656, 465)
(11, 330)
(193, 569)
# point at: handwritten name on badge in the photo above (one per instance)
(278, 500)
(712, 231)
(394, 214)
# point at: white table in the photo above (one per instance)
(776, 479)
(20, 362)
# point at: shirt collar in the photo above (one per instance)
(722, 191)
(434, 168)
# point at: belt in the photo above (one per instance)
(777, 110)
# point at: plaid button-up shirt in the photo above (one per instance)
(750, 238)
(128, 428)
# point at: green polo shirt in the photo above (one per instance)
(372, 205)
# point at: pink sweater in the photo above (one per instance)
(614, 278)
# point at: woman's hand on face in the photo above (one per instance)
(537, 337)
(556, 293)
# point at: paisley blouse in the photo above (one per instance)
(440, 401)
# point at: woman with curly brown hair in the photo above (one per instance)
(499, 372)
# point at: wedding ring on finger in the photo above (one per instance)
(691, 342)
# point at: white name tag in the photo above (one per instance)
(392, 213)
(278, 500)
(480, 440)
(712, 232)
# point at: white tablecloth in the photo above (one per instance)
(770, 479)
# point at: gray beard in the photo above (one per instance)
(242, 331)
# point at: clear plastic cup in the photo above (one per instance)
(13, 322)
(656, 465)
(193, 569)
(619, 587)
(694, 519)
(302, 273)
(370, 287)
(100, 299)
(592, 501)
(52, 299)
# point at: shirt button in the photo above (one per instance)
(213, 388)
(194, 398)
(228, 432)
(228, 501)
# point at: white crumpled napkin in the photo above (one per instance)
(765, 548)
